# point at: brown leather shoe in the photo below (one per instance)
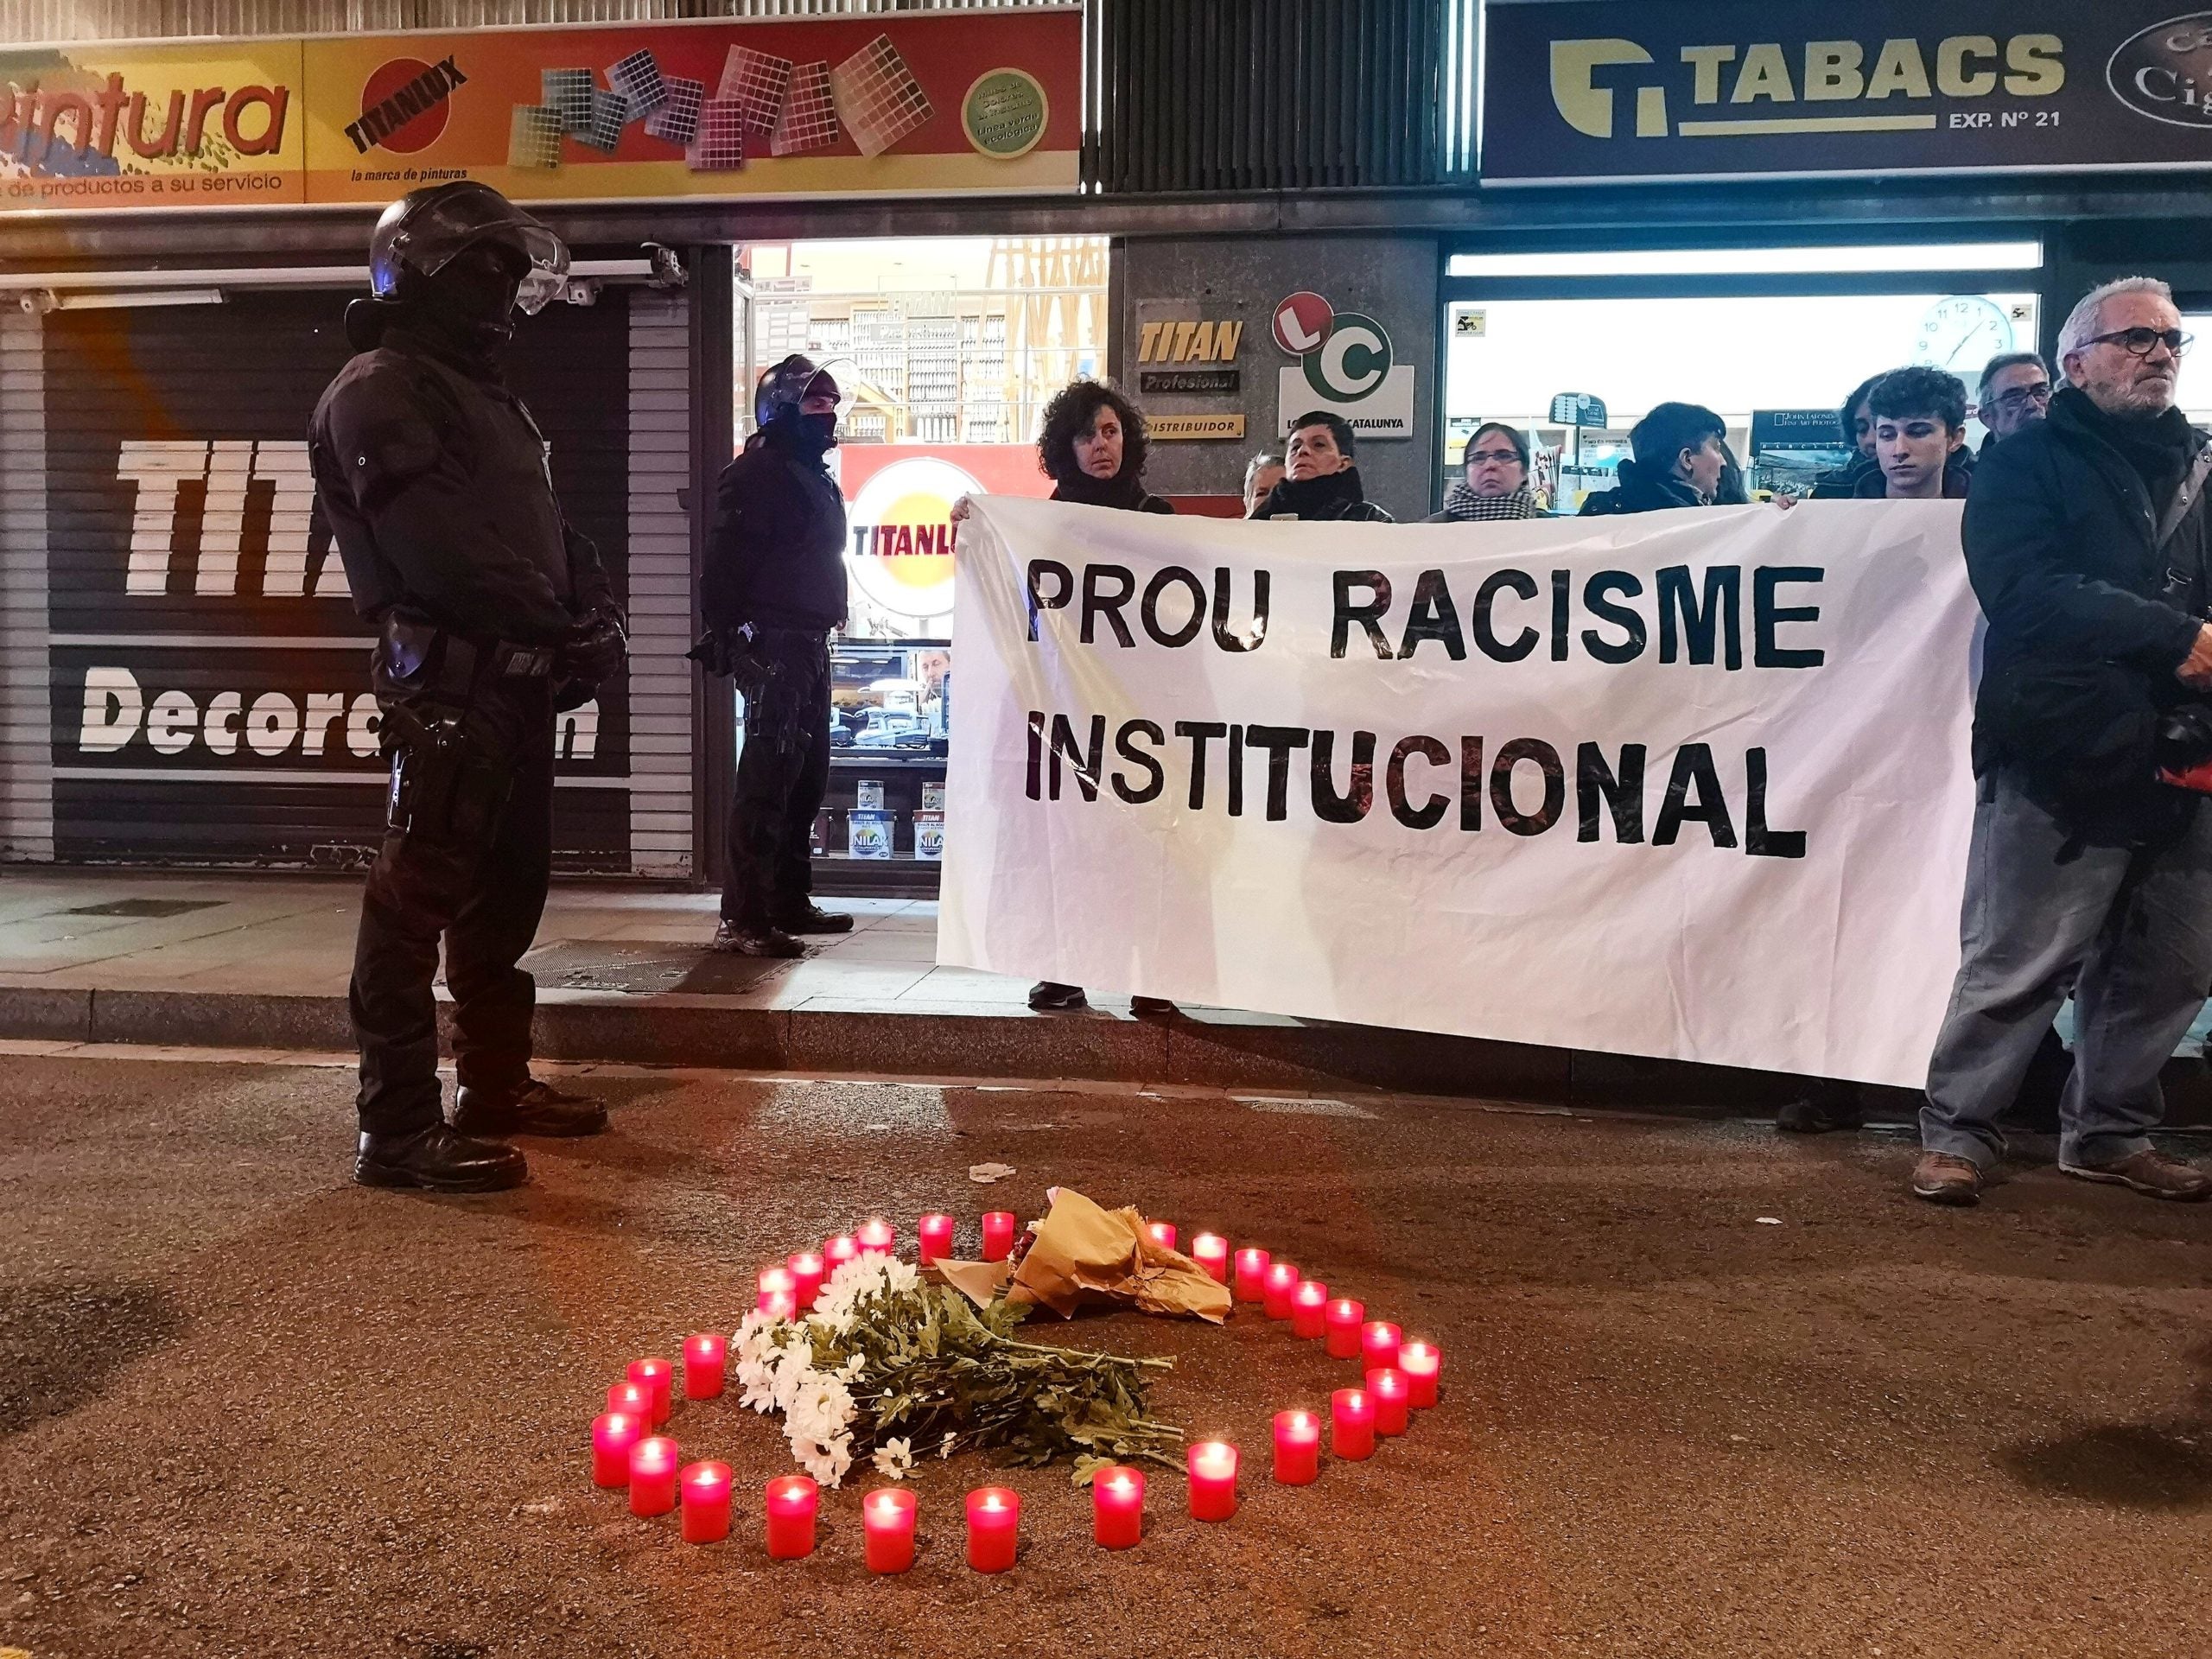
(2149, 1172)
(1946, 1177)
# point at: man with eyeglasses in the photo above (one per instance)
(2014, 394)
(2091, 860)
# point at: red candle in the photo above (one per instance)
(1298, 1448)
(1117, 1507)
(1251, 1275)
(936, 1232)
(1343, 1317)
(778, 1290)
(1391, 1395)
(1281, 1285)
(1163, 1233)
(659, 1376)
(706, 1490)
(998, 1234)
(1351, 1429)
(706, 1366)
(612, 1434)
(1422, 1365)
(887, 1518)
(807, 1274)
(1378, 1345)
(994, 1525)
(1211, 1251)
(877, 1237)
(653, 1462)
(632, 1400)
(792, 1501)
(1309, 1307)
(837, 1251)
(1213, 1480)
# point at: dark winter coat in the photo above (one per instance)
(2079, 663)
(1331, 496)
(776, 557)
(1641, 490)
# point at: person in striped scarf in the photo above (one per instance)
(1497, 484)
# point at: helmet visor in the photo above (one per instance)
(456, 223)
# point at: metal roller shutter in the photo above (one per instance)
(207, 674)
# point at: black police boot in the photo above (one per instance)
(535, 1108)
(440, 1160)
(807, 917)
(736, 939)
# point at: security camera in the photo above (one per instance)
(668, 270)
(581, 290)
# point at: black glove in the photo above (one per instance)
(735, 653)
(595, 651)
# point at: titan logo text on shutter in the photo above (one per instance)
(228, 468)
(1756, 78)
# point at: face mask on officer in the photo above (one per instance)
(473, 295)
(815, 424)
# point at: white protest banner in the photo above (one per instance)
(1690, 784)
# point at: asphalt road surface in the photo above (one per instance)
(1707, 1391)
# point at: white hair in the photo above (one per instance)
(2084, 320)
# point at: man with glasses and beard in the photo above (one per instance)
(2091, 861)
(2014, 394)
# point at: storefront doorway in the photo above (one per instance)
(1767, 337)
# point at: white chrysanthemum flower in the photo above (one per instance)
(944, 1447)
(757, 1380)
(827, 1461)
(894, 1459)
(851, 1370)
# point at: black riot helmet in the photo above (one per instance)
(781, 389)
(422, 232)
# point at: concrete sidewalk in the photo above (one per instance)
(624, 973)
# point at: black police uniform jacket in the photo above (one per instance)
(776, 557)
(2079, 660)
(435, 485)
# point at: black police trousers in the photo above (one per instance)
(474, 872)
(782, 775)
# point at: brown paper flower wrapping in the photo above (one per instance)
(1082, 1253)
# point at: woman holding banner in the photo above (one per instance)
(1496, 481)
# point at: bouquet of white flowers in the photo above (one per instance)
(886, 1362)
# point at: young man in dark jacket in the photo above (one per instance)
(2087, 867)
(1321, 481)
(1920, 438)
(1678, 456)
(773, 592)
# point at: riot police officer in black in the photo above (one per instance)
(495, 615)
(773, 592)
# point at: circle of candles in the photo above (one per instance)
(705, 1489)
(1281, 1285)
(1251, 1275)
(660, 1376)
(1117, 1507)
(876, 1236)
(1298, 1448)
(807, 1272)
(632, 1400)
(935, 1232)
(653, 1462)
(1352, 1424)
(1309, 1309)
(887, 1518)
(792, 1502)
(835, 1252)
(1343, 1317)
(1423, 1365)
(1378, 1345)
(993, 1527)
(1163, 1233)
(613, 1435)
(998, 1234)
(1213, 1480)
(1211, 1251)
(1387, 1386)
(706, 1366)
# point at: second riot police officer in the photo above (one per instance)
(495, 615)
(772, 593)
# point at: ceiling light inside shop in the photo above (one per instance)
(1757, 262)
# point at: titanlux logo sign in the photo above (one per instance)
(2165, 71)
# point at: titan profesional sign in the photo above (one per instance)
(1600, 91)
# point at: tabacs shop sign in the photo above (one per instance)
(1346, 366)
(1609, 91)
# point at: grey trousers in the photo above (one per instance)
(2130, 930)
